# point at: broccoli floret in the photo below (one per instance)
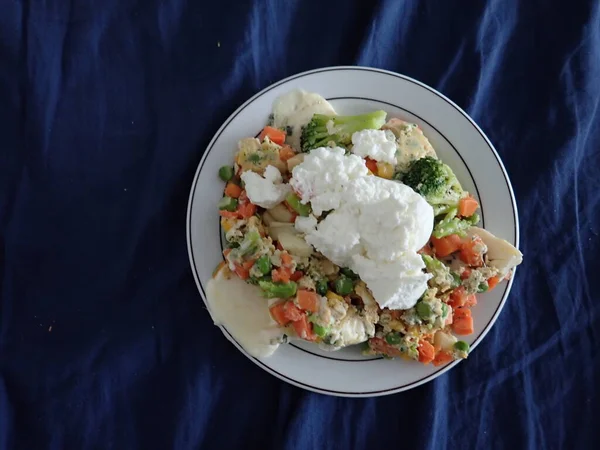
(323, 129)
(435, 181)
(454, 225)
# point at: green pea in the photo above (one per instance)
(482, 287)
(423, 310)
(319, 330)
(254, 158)
(278, 290)
(343, 286)
(228, 204)
(461, 346)
(347, 272)
(264, 264)
(393, 338)
(321, 287)
(226, 173)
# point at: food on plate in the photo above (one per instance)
(345, 230)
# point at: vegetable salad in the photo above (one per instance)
(312, 298)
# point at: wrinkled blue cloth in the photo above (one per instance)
(105, 109)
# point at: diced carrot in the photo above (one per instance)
(469, 255)
(460, 313)
(228, 214)
(286, 152)
(426, 250)
(371, 165)
(471, 300)
(447, 245)
(463, 326)
(426, 352)
(467, 206)
(248, 264)
(308, 300)
(303, 329)
(280, 275)
(457, 297)
(493, 282)
(379, 345)
(286, 259)
(278, 313)
(274, 134)
(296, 275)
(395, 314)
(466, 273)
(246, 210)
(244, 274)
(292, 312)
(233, 190)
(442, 358)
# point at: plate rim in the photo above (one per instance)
(257, 361)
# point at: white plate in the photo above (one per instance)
(458, 141)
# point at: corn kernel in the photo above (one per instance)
(385, 170)
(226, 224)
(333, 296)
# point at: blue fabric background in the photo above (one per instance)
(105, 108)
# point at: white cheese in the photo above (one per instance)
(379, 145)
(376, 228)
(305, 224)
(392, 218)
(395, 285)
(268, 191)
(324, 175)
(337, 237)
(378, 218)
